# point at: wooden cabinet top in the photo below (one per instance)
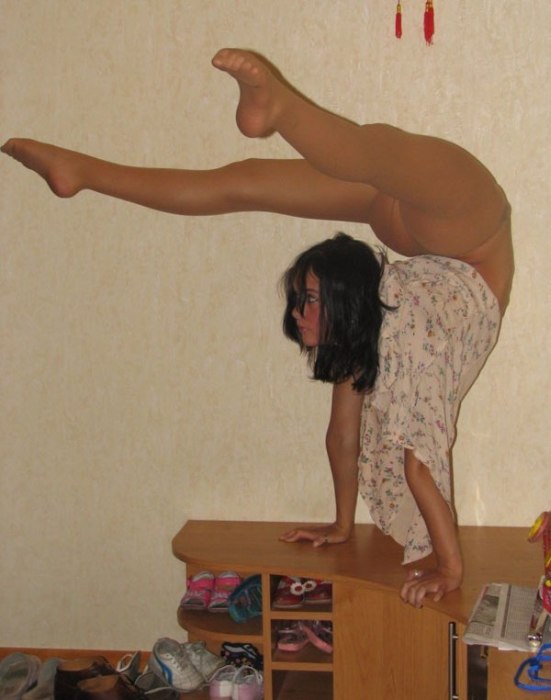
(369, 558)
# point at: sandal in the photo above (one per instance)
(245, 602)
(320, 595)
(320, 634)
(199, 591)
(224, 584)
(291, 638)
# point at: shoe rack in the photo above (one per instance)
(381, 647)
(306, 674)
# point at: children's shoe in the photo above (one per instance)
(320, 634)
(204, 660)
(224, 584)
(320, 594)
(289, 594)
(242, 654)
(170, 661)
(221, 684)
(247, 684)
(291, 638)
(245, 602)
(199, 591)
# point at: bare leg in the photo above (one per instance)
(289, 187)
(447, 202)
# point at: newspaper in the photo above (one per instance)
(503, 617)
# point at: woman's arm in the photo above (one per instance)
(343, 448)
(442, 530)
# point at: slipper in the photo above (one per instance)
(199, 591)
(224, 584)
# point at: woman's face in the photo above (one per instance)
(308, 321)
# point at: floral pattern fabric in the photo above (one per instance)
(431, 348)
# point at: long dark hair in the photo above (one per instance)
(351, 311)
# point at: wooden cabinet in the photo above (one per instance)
(382, 647)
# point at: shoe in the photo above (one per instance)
(291, 637)
(204, 660)
(245, 602)
(44, 688)
(155, 688)
(70, 673)
(247, 684)
(170, 661)
(221, 684)
(113, 687)
(199, 591)
(129, 664)
(320, 634)
(320, 594)
(290, 591)
(224, 584)
(242, 654)
(18, 673)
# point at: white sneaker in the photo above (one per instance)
(204, 660)
(170, 661)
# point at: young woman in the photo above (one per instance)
(402, 342)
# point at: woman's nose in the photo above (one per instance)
(295, 313)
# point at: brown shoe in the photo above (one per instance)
(70, 673)
(114, 687)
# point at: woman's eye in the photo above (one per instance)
(311, 298)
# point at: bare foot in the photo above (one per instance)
(59, 167)
(261, 92)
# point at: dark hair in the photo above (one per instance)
(351, 311)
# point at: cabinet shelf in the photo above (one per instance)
(220, 627)
(320, 612)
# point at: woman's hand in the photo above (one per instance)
(319, 535)
(434, 582)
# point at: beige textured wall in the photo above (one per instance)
(145, 380)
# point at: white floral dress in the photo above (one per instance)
(431, 349)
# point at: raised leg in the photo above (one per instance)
(289, 187)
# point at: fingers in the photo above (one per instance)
(419, 584)
(299, 535)
(318, 539)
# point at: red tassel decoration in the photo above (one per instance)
(429, 21)
(398, 22)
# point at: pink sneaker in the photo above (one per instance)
(221, 683)
(247, 684)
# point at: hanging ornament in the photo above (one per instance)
(429, 21)
(398, 22)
